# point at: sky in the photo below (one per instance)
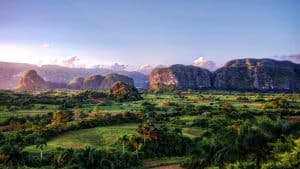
(145, 33)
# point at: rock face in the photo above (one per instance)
(258, 74)
(92, 82)
(76, 83)
(240, 74)
(179, 77)
(111, 79)
(30, 81)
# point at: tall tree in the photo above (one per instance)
(124, 139)
(41, 143)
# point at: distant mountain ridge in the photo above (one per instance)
(10, 74)
(32, 81)
(239, 74)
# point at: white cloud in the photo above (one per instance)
(71, 62)
(46, 46)
(118, 67)
(115, 67)
(293, 57)
(146, 69)
(203, 63)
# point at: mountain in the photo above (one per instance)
(239, 74)
(124, 92)
(10, 74)
(93, 82)
(31, 81)
(179, 77)
(111, 79)
(258, 74)
(76, 83)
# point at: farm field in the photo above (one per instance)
(100, 137)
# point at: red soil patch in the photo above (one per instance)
(165, 103)
(101, 99)
(293, 118)
(77, 145)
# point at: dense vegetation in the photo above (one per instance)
(85, 129)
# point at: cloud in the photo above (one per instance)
(118, 67)
(292, 57)
(71, 62)
(115, 67)
(146, 69)
(46, 46)
(203, 63)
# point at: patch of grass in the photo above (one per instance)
(99, 137)
(4, 116)
(192, 132)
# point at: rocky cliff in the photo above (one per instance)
(179, 77)
(111, 79)
(76, 83)
(240, 74)
(30, 81)
(92, 82)
(259, 74)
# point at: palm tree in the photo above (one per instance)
(41, 143)
(106, 163)
(124, 139)
(145, 130)
(227, 142)
(135, 142)
(255, 141)
(62, 157)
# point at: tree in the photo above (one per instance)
(41, 143)
(254, 141)
(124, 139)
(2, 138)
(144, 130)
(11, 155)
(96, 109)
(228, 146)
(121, 91)
(15, 125)
(134, 140)
(62, 157)
(60, 117)
(227, 108)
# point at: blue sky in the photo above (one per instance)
(139, 32)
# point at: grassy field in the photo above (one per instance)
(204, 98)
(99, 137)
